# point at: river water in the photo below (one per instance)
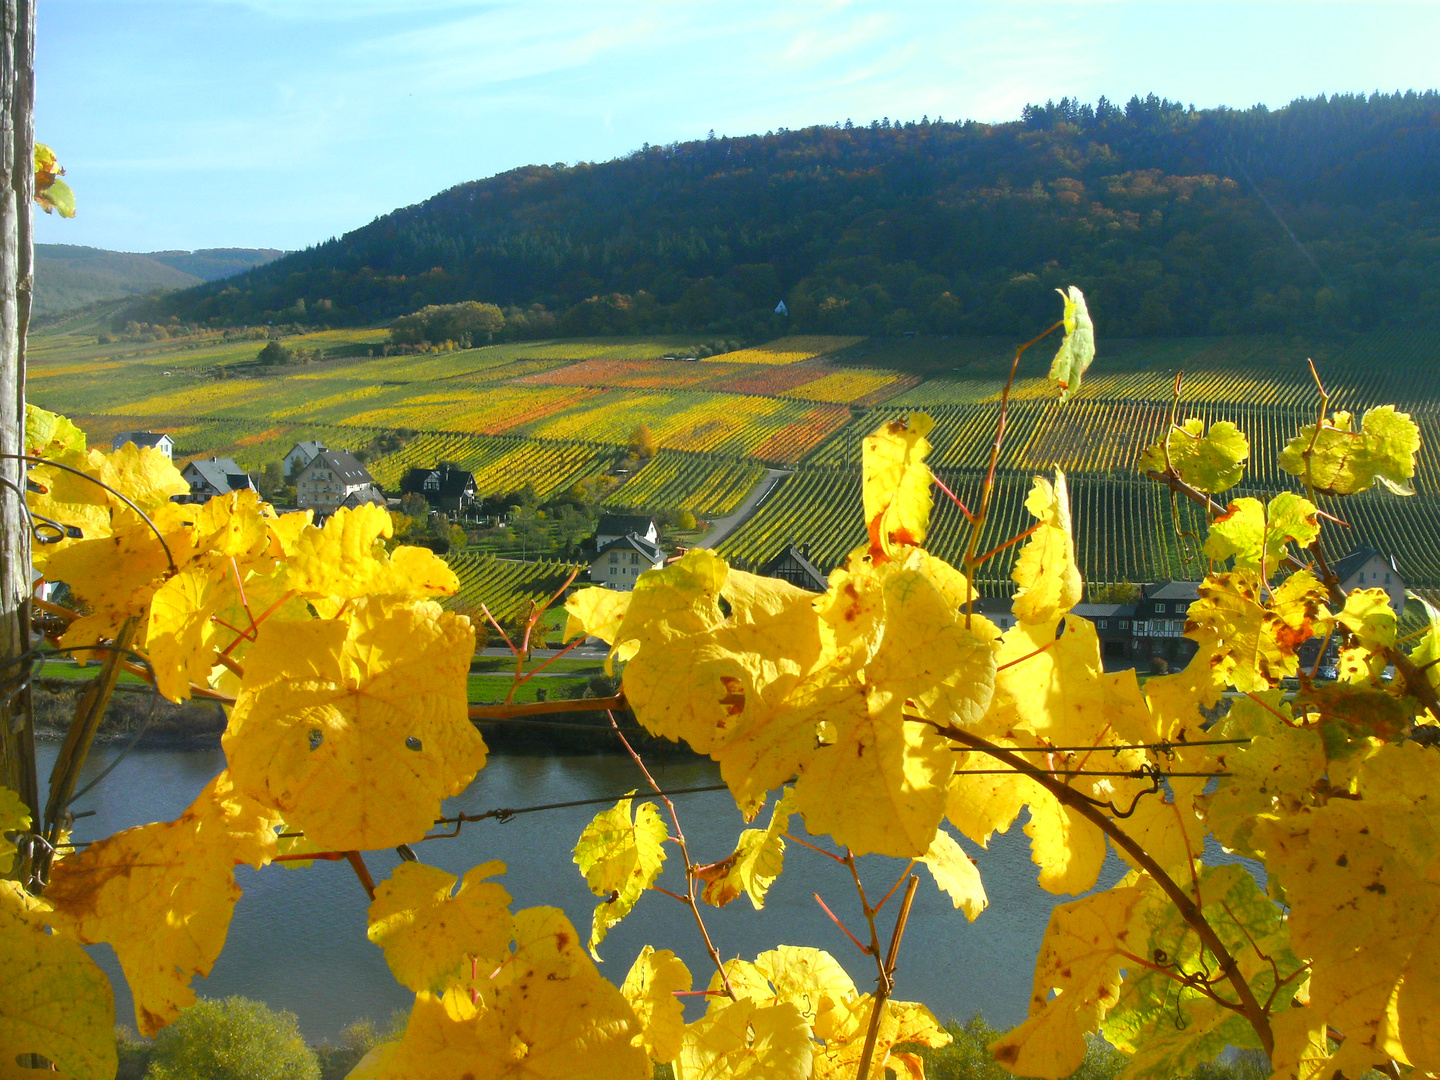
(297, 940)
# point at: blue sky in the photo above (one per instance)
(280, 123)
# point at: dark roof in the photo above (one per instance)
(343, 464)
(452, 482)
(222, 474)
(634, 542)
(361, 496)
(795, 555)
(1171, 590)
(621, 524)
(1350, 565)
(139, 438)
(309, 447)
(1103, 611)
(993, 605)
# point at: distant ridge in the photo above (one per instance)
(68, 276)
(1322, 217)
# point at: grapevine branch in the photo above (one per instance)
(1416, 684)
(1248, 1005)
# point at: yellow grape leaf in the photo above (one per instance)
(57, 1002)
(595, 613)
(1077, 350)
(1253, 642)
(1257, 536)
(355, 730)
(956, 874)
(430, 936)
(896, 484)
(980, 806)
(1302, 1051)
(1080, 958)
(1047, 577)
(754, 865)
(52, 193)
(14, 818)
(650, 988)
(1339, 460)
(620, 859)
(743, 1041)
(181, 635)
(233, 526)
(902, 1023)
(161, 895)
(1359, 876)
(144, 475)
(679, 600)
(1211, 461)
(347, 559)
(286, 530)
(1068, 849)
(810, 979)
(1175, 700)
(1368, 615)
(50, 435)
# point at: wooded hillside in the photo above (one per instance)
(1321, 216)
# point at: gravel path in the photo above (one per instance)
(720, 528)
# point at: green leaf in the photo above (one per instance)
(1257, 536)
(1336, 459)
(1077, 351)
(1212, 461)
(56, 197)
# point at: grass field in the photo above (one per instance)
(553, 413)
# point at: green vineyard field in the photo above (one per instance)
(506, 586)
(705, 485)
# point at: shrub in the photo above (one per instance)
(234, 1039)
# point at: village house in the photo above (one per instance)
(155, 440)
(618, 563)
(1366, 568)
(213, 476)
(443, 487)
(612, 527)
(332, 480)
(300, 455)
(794, 565)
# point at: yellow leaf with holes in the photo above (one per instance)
(755, 863)
(956, 874)
(743, 1041)
(355, 730)
(1338, 459)
(650, 988)
(1080, 959)
(14, 818)
(896, 484)
(620, 857)
(1077, 349)
(595, 613)
(1046, 574)
(432, 935)
(347, 559)
(1368, 615)
(161, 895)
(1257, 537)
(1212, 461)
(1254, 641)
(56, 1003)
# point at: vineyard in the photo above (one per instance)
(506, 586)
(787, 350)
(705, 485)
(501, 466)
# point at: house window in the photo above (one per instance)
(634, 557)
(1180, 609)
(1160, 609)
(1124, 624)
(614, 556)
(1387, 579)
(1103, 624)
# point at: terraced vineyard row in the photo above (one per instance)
(501, 466)
(506, 586)
(705, 485)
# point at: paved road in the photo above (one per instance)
(720, 528)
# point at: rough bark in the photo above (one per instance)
(17, 190)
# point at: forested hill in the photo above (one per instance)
(1321, 216)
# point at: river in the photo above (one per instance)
(297, 940)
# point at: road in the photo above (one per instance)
(720, 528)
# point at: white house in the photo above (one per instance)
(1366, 568)
(332, 479)
(612, 527)
(300, 455)
(620, 562)
(209, 477)
(156, 440)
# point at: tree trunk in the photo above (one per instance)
(17, 191)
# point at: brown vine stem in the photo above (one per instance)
(1416, 684)
(887, 968)
(89, 711)
(357, 863)
(1249, 1005)
(690, 876)
(540, 708)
